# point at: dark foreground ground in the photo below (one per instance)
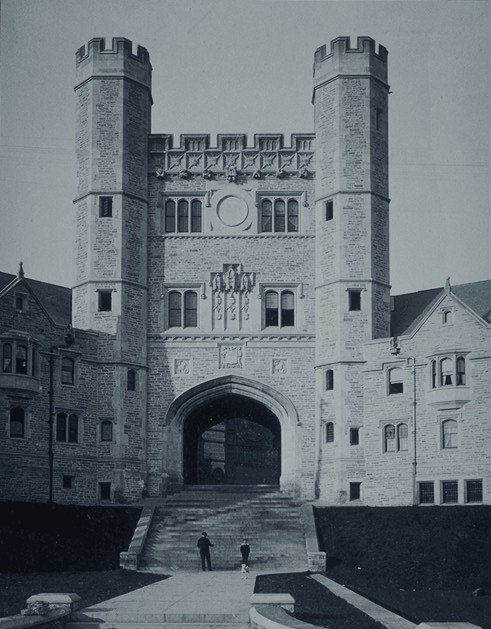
(423, 563)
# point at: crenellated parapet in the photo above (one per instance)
(232, 156)
(118, 60)
(342, 59)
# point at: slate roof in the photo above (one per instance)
(57, 300)
(411, 308)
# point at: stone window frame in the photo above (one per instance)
(69, 485)
(428, 483)
(354, 436)
(100, 293)
(296, 289)
(443, 421)
(329, 379)
(466, 490)
(100, 430)
(445, 486)
(32, 355)
(275, 198)
(182, 288)
(21, 298)
(351, 487)
(460, 378)
(68, 413)
(396, 425)
(107, 485)
(75, 357)
(447, 316)
(328, 210)
(392, 388)
(105, 206)
(329, 432)
(131, 379)
(175, 199)
(25, 421)
(351, 291)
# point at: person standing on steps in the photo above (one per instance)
(204, 550)
(245, 549)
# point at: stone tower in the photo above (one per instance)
(352, 246)
(113, 102)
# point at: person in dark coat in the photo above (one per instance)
(245, 549)
(204, 550)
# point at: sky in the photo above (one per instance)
(246, 66)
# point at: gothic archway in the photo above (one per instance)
(279, 416)
(232, 440)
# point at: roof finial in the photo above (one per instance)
(20, 272)
(448, 288)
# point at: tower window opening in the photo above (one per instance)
(354, 491)
(19, 303)
(104, 491)
(67, 428)
(329, 380)
(279, 215)
(67, 370)
(188, 219)
(271, 300)
(396, 384)
(175, 309)
(17, 423)
(329, 210)
(292, 215)
(266, 216)
(106, 430)
(183, 309)
(354, 300)
(131, 380)
(105, 207)
(329, 432)
(105, 301)
(182, 216)
(460, 371)
(354, 436)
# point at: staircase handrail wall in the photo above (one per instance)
(275, 617)
(316, 558)
(129, 560)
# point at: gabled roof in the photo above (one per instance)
(56, 300)
(411, 308)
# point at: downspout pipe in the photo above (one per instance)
(51, 420)
(415, 459)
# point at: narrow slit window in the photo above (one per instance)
(460, 371)
(190, 309)
(396, 384)
(19, 303)
(433, 374)
(104, 491)
(67, 370)
(106, 430)
(354, 436)
(170, 216)
(271, 309)
(72, 428)
(329, 380)
(7, 358)
(266, 216)
(329, 210)
(182, 216)
(195, 215)
(17, 423)
(389, 438)
(175, 309)
(329, 432)
(105, 207)
(287, 309)
(354, 300)
(279, 215)
(293, 215)
(131, 380)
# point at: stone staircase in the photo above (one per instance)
(270, 520)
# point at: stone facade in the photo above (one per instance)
(253, 273)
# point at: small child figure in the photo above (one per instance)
(245, 549)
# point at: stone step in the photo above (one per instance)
(128, 622)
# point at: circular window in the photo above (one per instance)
(232, 211)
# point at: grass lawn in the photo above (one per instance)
(422, 563)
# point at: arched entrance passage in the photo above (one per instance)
(198, 397)
(232, 440)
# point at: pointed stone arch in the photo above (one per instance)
(215, 389)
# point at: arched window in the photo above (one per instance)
(449, 434)
(175, 309)
(287, 309)
(433, 374)
(271, 309)
(460, 371)
(21, 359)
(190, 309)
(396, 381)
(329, 432)
(266, 216)
(292, 215)
(182, 216)
(17, 423)
(279, 215)
(446, 372)
(170, 216)
(106, 430)
(389, 438)
(447, 316)
(402, 437)
(195, 215)
(67, 428)
(131, 380)
(7, 358)
(329, 380)
(67, 370)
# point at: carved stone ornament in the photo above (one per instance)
(207, 174)
(304, 172)
(182, 366)
(232, 173)
(232, 280)
(279, 366)
(159, 172)
(231, 356)
(183, 174)
(280, 173)
(257, 174)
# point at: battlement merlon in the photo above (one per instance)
(343, 60)
(117, 61)
(232, 142)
